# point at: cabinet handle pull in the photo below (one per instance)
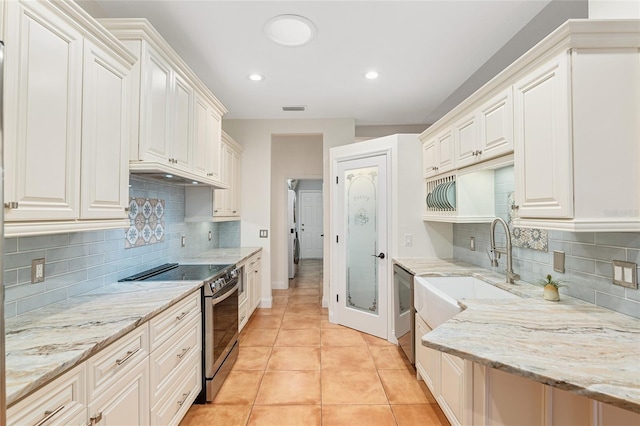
(182, 315)
(97, 418)
(11, 205)
(515, 207)
(479, 151)
(184, 352)
(122, 361)
(49, 414)
(184, 398)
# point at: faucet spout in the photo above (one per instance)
(510, 275)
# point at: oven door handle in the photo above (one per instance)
(216, 300)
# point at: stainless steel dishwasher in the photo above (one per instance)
(404, 312)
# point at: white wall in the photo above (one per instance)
(614, 9)
(255, 136)
(292, 156)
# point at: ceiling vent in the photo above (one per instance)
(294, 108)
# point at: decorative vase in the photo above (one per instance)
(551, 293)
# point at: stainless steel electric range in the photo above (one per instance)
(220, 316)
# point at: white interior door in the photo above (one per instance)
(310, 224)
(361, 286)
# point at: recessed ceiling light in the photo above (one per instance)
(195, 182)
(256, 77)
(290, 30)
(168, 176)
(371, 75)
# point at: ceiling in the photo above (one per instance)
(423, 50)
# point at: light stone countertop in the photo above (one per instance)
(571, 344)
(44, 343)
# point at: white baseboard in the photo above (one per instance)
(279, 285)
(266, 302)
(325, 302)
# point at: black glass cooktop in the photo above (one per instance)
(177, 272)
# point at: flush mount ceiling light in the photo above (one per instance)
(371, 75)
(290, 30)
(256, 77)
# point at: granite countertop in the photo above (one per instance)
(571, 344)
(222, 255)
(44, 343)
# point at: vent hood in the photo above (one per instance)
(168, 174)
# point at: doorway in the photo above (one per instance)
(311, 228)
(304, 231)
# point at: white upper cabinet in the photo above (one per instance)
(495, 120)
(155, 108)
(207, 204)
(105, 134)
(568, 110)
(43, 113)
(543, 161)
(576, 138)
(180, 119)
(66, 106)
(438, 154)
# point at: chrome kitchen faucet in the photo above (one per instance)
(510, 275)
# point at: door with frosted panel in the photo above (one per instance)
(361, 214)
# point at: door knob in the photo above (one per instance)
(381, 255)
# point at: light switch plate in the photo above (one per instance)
(264, 233)
(558, 261)
(625, 274)
(472, 243)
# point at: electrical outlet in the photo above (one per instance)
(408, 240)
(37, 270)
(625, 274)
(264, 233)
(210, 236)
(183, 241)
(472, 243)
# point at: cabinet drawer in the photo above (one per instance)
(167, 323)
(62, 402)
(113, 362)
(172, 354)
(185, 387)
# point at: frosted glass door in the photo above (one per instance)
(362, 240)
(363, 222)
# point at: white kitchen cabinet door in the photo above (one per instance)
(495, 121)
(126, 402)
(213, 144)
(543, 142)
(446, 152)
(155, 105)
(452, 388)
(200, 160)
(566, 408)
(608, 415)
(43, 113)
(182, 142)
(513, 400)
(427, 359)
(105, 134)
(429, 158)
(466, 140)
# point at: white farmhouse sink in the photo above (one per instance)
(435, 298)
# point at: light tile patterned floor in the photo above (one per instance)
(295, 368)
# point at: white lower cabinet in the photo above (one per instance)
(127, 383)
(474, 394)
(61, 402)
(125, 402)
(176, 402)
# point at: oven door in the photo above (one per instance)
(221, 328)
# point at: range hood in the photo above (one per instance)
(167, 174)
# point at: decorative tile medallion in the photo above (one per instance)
(147, 222)
(533, 238)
